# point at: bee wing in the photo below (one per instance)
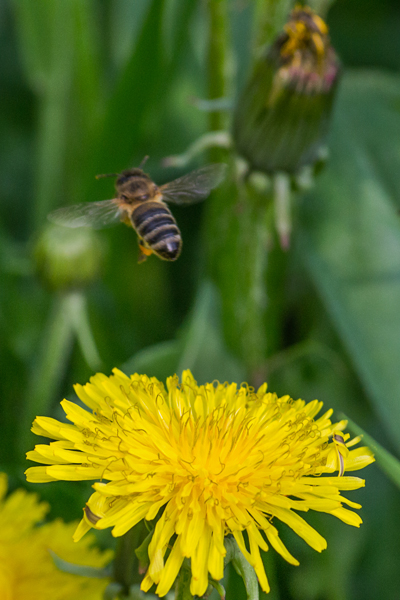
(89, 214)
(195, 186)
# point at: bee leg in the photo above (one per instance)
(143, 252)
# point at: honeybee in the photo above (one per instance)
(141, 204)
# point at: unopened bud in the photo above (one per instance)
(282, 117)
(68, 258)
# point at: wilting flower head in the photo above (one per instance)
(27, 570)
(282, 116)
(207, 461)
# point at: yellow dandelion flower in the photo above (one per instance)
(208, 460)
(27, 569)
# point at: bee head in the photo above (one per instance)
(134, 184)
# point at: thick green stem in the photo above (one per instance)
(249, 268)
(244, 262)
(252, 299)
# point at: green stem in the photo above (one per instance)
(50, 369)
(76, 306)
(283, 216)
(242, 568)
(249, 269)
(212, 139)
(253, 245)
(242, 261)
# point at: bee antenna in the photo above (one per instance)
(107, 175)
(144, 161)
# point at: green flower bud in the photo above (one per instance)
(68, 258)
(282, 117)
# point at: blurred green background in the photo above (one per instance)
(91, 87)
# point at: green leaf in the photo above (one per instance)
(350, 234)
(386, 461)
(47, 40)
(134, 92)
(81, 570)
(141, 86)
(61, 55)
(143, 552)
(35, 24)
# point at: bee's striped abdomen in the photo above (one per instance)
(155, 225)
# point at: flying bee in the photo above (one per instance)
(141, 204)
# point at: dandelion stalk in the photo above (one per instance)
(66, 261)
(53, 358)
(282, 208)
(245, 570)
(279, 127)
(79, 319)
(235, 241)
(68, 321)
(244, 260)
(248, 266)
